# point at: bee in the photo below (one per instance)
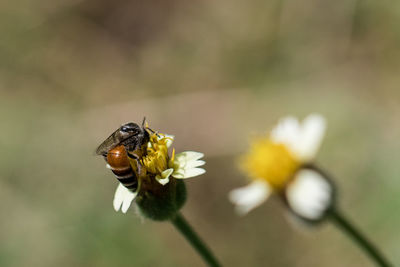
(128, 142)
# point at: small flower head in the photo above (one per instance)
(157, 196)
(156, 161)
(277, 163)
(272, 162)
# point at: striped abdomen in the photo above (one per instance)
(120, 166)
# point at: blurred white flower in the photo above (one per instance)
(278, 163)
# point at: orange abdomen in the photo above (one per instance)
(117, 158)
(120, 166)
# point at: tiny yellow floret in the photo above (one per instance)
(172, 159)
(270, 161)
(156, 159)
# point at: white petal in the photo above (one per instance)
(309, 195)
(304, 139)
(167, 173)
(118, 197)
(248, 197)
(188, 156)
(313, 131)
(170, 139)
(189, 173)
(287, 132)
(195, 163)
(186, 163)
(164, 177)
(123, 198)
(162, 181)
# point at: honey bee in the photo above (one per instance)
(128, 141)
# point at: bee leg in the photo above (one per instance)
(138, 165)
(139, 168)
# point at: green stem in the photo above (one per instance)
(359, 238)
(183, 226)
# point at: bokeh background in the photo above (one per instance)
(214, 73)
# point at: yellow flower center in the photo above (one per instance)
(156, 160)
(270, 161)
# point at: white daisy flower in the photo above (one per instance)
(278, 163)
(160, 166)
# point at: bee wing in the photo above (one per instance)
(112, 141)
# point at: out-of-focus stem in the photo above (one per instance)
(352, 232)
(186, 230)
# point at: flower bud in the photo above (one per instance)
(161, 202)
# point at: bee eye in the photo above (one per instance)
(125, 129)
(128, 128)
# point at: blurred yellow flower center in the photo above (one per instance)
(271, 162)
(157, 159)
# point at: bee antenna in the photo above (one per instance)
(146, 126)
(151, 130)
(144, 121)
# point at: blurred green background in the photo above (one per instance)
(213, 73)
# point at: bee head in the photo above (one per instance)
(130, 129)
(132, 135)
